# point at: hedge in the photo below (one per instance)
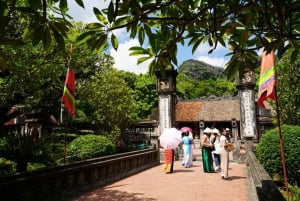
(268, 152)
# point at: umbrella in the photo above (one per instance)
(186, 129)
(170, 138)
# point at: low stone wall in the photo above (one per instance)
(260, 184)
(63, 182)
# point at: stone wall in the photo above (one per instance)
(260, 184)
(60, 183)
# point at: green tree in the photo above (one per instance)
(32, 21)
(185, 87)
(145, 95)
(243, 26)
(288, 87)
(190, 89)
(109, 100)
(225, 88)
(36, 83)
(268, 152)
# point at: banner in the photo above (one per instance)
(267, 79)
(68, 98)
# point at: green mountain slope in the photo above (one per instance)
(199, 70)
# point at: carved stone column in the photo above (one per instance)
(245, 85)
(166, 88)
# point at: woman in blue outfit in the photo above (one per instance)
(207, 147)
(187, 149)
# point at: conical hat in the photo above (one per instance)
(215, 130)
(207, 130)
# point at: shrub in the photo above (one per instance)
(268, 152)
(35, 166)
(89, 146)
(7, 167)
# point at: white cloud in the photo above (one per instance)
(85, 14)
(123, 61)
(129, 63)
(216, 58)
(214, 61)
(204, 49)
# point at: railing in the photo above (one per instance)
(260, 184)
(63, 182)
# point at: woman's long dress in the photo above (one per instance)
(187, 151)
(224, 157)
(207, 158)
(169, 160)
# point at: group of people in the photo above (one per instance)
(215, 151)
(188, 144)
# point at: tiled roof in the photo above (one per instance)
(208, 110)
(188, 110)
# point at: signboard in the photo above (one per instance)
(164, 114)
(248, 113)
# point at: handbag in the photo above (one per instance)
(229, 147)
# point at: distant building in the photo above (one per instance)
(218, 113)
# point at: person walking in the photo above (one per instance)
(224, 141)
(217, 151)
(169, 160)
(187, 150)
(207, 147)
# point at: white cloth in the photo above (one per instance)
(217, 145)
(224, 157)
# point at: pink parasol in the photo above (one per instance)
(170, 138)
(186, 129)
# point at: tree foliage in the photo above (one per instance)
(89, 146)
(268, 152)
(108, 99)
(145, 96)
(288, 87)
(242, 26)
(160, 26)
(41, 21)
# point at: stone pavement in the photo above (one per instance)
(184, 184)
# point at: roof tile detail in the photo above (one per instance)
(208, 110)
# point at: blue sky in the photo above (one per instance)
(125, 62)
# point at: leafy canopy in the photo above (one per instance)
(242, 26)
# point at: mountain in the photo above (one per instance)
(199, 70)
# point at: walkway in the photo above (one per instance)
(184, 184)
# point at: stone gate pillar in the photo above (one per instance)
(245, 85)
(166, 88)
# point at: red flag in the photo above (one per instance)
(68, 98)
(267, 79)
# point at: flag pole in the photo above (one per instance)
(62, 107)
(281, 145)
(267, 89)
(61, 112)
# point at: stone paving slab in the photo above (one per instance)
(184, 184)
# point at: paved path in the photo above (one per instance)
(184, 184)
